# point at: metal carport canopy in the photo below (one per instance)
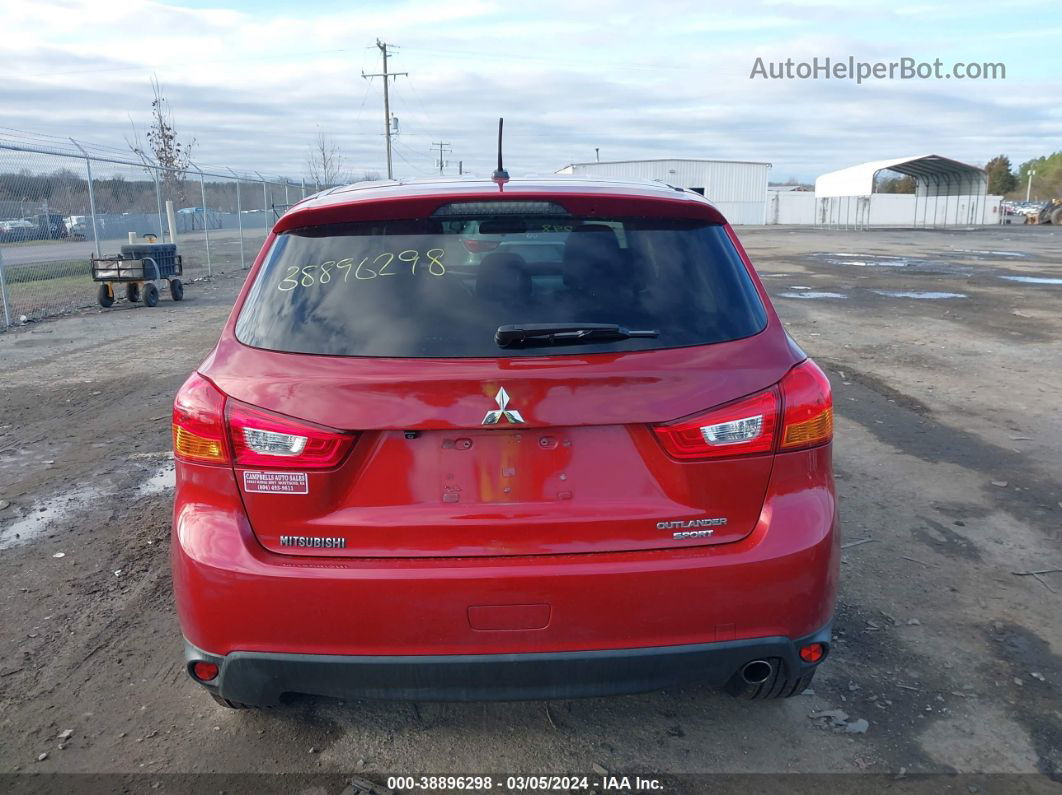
(859, 180)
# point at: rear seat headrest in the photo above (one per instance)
(593, 257)
(503, 277)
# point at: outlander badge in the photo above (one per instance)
(511, 415)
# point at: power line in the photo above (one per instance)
(416, 96)
(384, 47)
(364, 97)
(406, 110)
(418, 169)
(626, 66)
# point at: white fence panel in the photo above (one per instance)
(881, 210)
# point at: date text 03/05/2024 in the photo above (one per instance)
(527, 783)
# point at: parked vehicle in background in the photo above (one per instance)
(77, 226)
(49, 226)
(405, 474)
(1036, 212)
(192, 218)
(15, 230)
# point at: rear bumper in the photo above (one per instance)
(608, 622)
(261, 679)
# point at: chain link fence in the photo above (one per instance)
(63, 201)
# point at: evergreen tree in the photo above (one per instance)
(1001, 180)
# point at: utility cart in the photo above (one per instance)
(141, 267)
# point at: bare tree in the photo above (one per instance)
(325, 162)
(166, 149)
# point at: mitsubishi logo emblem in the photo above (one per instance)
(511, 415)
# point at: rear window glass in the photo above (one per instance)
(441, 288)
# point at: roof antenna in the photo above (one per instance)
(501, 176)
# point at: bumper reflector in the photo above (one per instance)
(204, 671)
(812, 653)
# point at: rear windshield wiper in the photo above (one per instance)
(564, 333)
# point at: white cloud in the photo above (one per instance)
(253, 86)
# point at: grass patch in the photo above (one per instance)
(46, 241)
(46, 271)
(39, 298)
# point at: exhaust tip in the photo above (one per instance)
(756, 672)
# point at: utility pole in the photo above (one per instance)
(383, 47)
(1028, 187)
(442, 145)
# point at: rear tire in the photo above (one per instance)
(778, 685)
(132, 292)
(105, 296)
(1056, 216)
(176, 289)
(151, 294)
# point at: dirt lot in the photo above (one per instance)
(949, 439)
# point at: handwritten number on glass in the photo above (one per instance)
(383, 264)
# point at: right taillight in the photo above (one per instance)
(808, 407)
(796, 414)
(199, 423)
(744, 427)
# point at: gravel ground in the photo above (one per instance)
(949, 438)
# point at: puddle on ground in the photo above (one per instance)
(936, 266)
(864, 261)
(47, 514)
(984, 253)
(923, 295)
(889, 262)
(163, 480)
(1032, 279)
(812, 294)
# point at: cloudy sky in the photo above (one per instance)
(254, 82)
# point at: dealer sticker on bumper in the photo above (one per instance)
(276, 482)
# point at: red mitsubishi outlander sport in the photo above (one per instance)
(466, 440)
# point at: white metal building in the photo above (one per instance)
(737, 188)
(947, 192)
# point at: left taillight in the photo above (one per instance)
(209, 428)
(743, 427)
(263, 439)
(199, 423)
